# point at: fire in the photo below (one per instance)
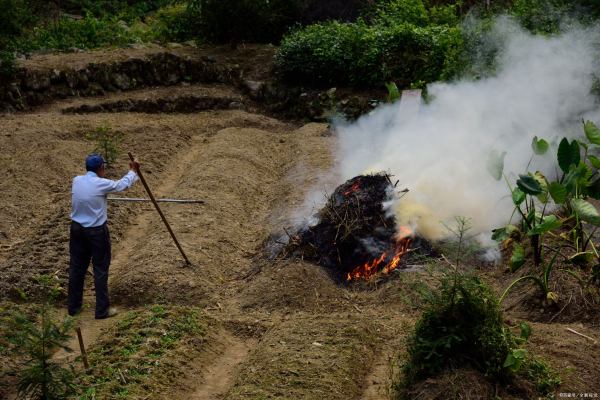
(354, 188)
(370, 268)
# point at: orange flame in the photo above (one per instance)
(354, 188)
(370, 268)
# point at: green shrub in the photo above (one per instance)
(539, 15)
(87, 33)
(357, 54)
(174, 23)
(461, 325)
(402, 11)
(444, 15)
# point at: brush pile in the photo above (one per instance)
(355, 237)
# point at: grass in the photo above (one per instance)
(140, 354)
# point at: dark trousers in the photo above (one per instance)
(89, 244)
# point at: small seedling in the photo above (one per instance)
(107, 142)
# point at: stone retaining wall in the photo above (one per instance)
(32, 88)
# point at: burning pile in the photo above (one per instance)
(354, 237)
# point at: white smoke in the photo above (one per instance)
(541, 87)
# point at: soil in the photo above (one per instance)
(276, 328)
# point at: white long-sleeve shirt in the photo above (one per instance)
(89, 196)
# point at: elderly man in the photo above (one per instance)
(89, 234)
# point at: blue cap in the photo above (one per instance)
(93, 162)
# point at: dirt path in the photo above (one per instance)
(378, 381)
(219, 376)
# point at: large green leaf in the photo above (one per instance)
(586, 211)
(518, 258)
(595, 161)
(558, 192)
(539, 146)
(548, 223)
(495, 164)
(568, 154)
(525, 330)
(518, 196)
(501, 234)
(592, 132)
(529, 185)
(541, 179)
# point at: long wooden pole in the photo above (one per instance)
(162, 216)
(82, 349)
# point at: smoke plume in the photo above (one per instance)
(541, 87)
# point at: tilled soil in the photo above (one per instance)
(275, 328)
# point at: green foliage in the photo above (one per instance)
(539, 146)
(107, 142)
(87, 33)
(174, 23)
(358, 54)
(35, 337)
(126, 10)
(580, 179)
(542, 281)
(446, 14)
(461, 325)
(402, 11)
(518, 258)
(541, 16)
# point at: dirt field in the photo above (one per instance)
(268, 328)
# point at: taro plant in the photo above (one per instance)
(578, 180)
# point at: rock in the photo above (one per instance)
(121, 81)
(36, 80)
(236, 105)
(254, 88)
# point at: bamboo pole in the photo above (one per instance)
(162, 216)
(82, 349)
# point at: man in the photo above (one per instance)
(89, 234)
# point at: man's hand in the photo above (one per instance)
(134, 166)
